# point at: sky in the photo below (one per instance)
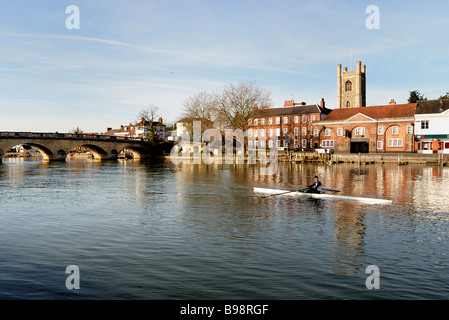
(99, 66)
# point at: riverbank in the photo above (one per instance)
(369, 158)
(360, 158)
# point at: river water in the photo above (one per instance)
(156, 230)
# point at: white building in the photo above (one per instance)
(432, 126)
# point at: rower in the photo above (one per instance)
(315, 187)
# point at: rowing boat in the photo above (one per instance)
(322, 195)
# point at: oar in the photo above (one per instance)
(333, 190)
(278, 194)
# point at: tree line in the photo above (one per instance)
(416, 96)
(232, 107)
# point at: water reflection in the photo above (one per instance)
(205, 219)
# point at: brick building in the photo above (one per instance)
(388, 128)
(291, 126)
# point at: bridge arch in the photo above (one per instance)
(137, 152)
(46, 153)
(98, 152)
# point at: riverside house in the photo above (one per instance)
(289, 126)
(375, 129)
(139, 130)
(432, 126)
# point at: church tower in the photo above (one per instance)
(352, 87)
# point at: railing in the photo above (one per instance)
(69, 136)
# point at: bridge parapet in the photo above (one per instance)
(56, 135)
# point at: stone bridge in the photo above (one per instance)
(56, 146)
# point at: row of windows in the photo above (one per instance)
(392, 143)
(360, 131)
(277, 132)
(253, 144)
(277, 120)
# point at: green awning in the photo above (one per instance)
(433, 136)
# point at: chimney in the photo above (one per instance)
(323, 104)
(289, 103)
(160, 119)
(108, 129)
(392, 102)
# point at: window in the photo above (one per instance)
(270, 143)
(359, 131)
(256, 121)
(296, 131)
(278, 143)
(255, 144)
(250, 132)
(395, 143)
(285, 131)
(348, 86)
(327, 143)
(380, 131)
(312, 117)
(278, 132)
(250, 144)
(285, 144)
(262, 133)
(425, 124)
(380, 144)
(304, 143)
(395, 130)
(304, 119)
(285, 120)
(262, 144)
(255, 133)
(304, 131)
(270, 120)
(409, 129)
(296, 119)
(262, 121)
(278, 120)
(327, 132)
(295, 143)
(348, 104)
(340, 132)
(315, 132)
(270, 133)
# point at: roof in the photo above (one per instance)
(432, 106)
(287, 111)
(374, 112)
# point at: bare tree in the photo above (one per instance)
(148, 114)
(200, 107)
(237, 105)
